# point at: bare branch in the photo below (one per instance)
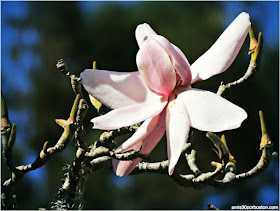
(191, 162)
(267, 156)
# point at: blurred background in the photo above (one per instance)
(34, 35)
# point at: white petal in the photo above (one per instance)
(210, 112)
(223, 52)
(130, 115)
(143, 32)
(177, 130)
(116, 89)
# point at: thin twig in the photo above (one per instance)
(255, 50)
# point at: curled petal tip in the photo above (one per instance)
(95, 126)
(123, 168)
(244, 15)
(120, 174)
(142, 27)
(143, 32)
(243, 19)
(118, 150)
(170, 171)
(242, 117)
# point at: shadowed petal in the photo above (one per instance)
(115, 89)
(139, 135)
(143, 32)
(223, 52)
(179, 60)
(123, 168)
(129, 115)
(147, 141)
(177, 130)
(155, 67)
(210, 112)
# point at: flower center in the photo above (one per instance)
(178, 79)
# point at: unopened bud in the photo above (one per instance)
(255, 46)
(95, 103)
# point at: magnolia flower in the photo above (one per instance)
(159, 94)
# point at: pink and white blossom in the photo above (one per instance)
(159, 94)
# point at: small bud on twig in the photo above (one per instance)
(255, 46)
(265, 140)
(223, 151)
(63, 67)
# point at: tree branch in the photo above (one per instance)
(255, 50)
(100, 155)
(267, 156)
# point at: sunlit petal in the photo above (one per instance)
(116, 89)
(210, 112)
(223, 52)
(129, 115)
(177, 130)
(143, 32)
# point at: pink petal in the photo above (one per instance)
(115, 89)
(179, 60)
(177, 130)
(210, 112)
(129, 115)
(143, 32)
(147, 141)
(139, 135)
(223, 52)
(155, 67)
(123, 168)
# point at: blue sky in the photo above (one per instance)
(264, 12)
